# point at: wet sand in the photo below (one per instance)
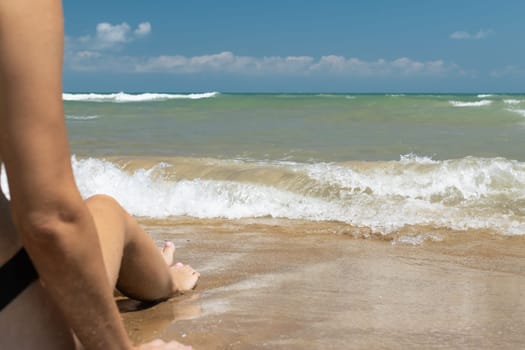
(296, 285)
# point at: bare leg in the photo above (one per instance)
(133, 262)
(31, 321)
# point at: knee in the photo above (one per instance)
(102, 201)
(107, 207)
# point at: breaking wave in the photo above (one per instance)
(122, 97)
(82, 117)
(470, 104)
(461, 194)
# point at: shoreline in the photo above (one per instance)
(265, 286)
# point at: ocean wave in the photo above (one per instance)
(82, 117)
(485, 95)
(419, 178)
(462, 194)
(518, 111)
(350, 97)
(328, 95)
(512, 102)
(122, 97)
(470, 103)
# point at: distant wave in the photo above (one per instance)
(351, 97)
(122, 97)
(82, 117)
(470, 104)
(328, 95)
(484, 95)
(519, 111)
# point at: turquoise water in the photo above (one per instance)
(303, 127)
(387, 163)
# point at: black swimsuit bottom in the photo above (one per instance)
(16, 275)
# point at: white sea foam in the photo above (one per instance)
(417, 240)
(518, 111)
(469, 193)
(484, 95)
(122, 97)
(143, 193)
(414, 158)
(512, 102)
(420, 178)
(82, 117)
(350, 97)
(459, 194)
(470, 103)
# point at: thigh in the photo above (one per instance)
(131, 258)
(31, 321)
(111, 228)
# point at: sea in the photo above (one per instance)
(410, 166)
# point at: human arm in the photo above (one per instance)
(48, 211)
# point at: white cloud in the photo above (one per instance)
(109, 36)
(225, 62)
(509, 71)
(292, 65)
(401, 66)
(462, 35)
(482, 34)
(98, 53)
(143, 29)
(228, 63)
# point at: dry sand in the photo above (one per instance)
(294, 285)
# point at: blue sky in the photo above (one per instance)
(295, 46)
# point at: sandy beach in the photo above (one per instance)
(303, 285)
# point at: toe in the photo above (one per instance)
(167, 252)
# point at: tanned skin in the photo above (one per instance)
(78, 265)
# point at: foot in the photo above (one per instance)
(184, 276)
